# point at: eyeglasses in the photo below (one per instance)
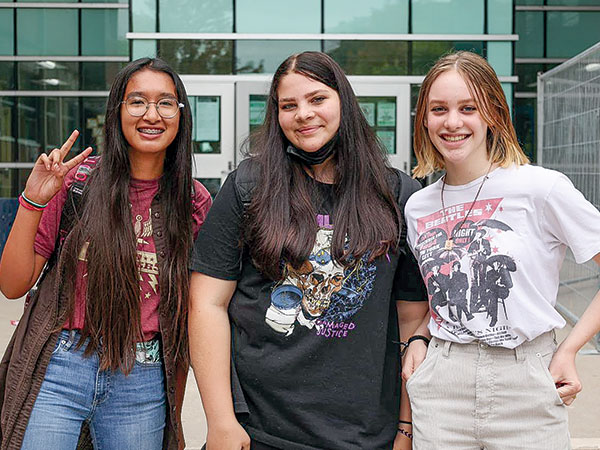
(167, 108)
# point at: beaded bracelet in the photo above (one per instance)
(405, 433)
(28, 206)
(39, 206)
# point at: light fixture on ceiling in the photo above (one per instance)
(47, 64)
(592, 67)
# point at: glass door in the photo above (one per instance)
(386, 107)
(212, 106)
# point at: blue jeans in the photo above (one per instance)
(123, 412)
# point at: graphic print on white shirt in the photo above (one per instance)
(472, 279)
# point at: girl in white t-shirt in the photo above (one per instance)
(490, 237)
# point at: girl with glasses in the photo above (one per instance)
(490, 237)
(298, 287)
(103, 344)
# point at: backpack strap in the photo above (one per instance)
(245, 181)
(405, 186)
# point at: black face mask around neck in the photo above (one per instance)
(313, 158)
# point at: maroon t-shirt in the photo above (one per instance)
(141, 193)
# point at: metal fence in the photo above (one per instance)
(568, 140)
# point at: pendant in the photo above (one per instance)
(449, 244)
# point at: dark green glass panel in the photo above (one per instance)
(47, 32)
(7, 75)
(529, 25)
(98, 76)
(7, 139)
(524, 122)
(103, 32)
(569, 33)
(370, 57)
(7, 30)
(426, 53)
(266, 56)
(198, 56)
(12, 182)
(92, 125)
(48, 75)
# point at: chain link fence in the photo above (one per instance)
(568, 140)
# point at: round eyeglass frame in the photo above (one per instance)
(179, 107)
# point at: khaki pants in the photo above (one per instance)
(473, 397)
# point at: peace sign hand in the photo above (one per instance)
(48, 173)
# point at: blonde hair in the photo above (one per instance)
(502, 145)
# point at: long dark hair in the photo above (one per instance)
(281, 220)
(112, 311)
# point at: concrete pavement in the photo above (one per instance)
(583, 414)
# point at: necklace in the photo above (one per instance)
(449, 244)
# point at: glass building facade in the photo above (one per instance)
(57, 61)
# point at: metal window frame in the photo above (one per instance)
(322, 37)
(22, 58)
(59, 5)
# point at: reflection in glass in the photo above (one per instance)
(198, 56)
(103, 32)
(524, 122)
(12, 182)
(265, 56)
(7, 41)
(143, 16)
(529, 25)
(48, 75)
(7, 75)
(370, 57)
(195, 16)
(92, 125)
(206, 117)
(568, 33)
(7, 140)
(44, 123)
(426, 53)
(275, 16)
(98, 76)
(47, 32)
(374, 16)
(445, 17)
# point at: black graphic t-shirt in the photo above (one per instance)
(315, 355)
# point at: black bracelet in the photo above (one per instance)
(417, 337)
(404, 421)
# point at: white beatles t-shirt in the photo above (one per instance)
(499, 281)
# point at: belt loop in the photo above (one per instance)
(446, 350)
(519, 353)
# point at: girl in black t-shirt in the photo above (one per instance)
(306, 307)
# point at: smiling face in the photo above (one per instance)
(455, 125)
(149, 133)
(309, 111)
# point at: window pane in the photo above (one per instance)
(527, 74)
(103, 32)
(12, 182)
(529, 2)
(197, 56)
(143, 16)
(426, 53)
(94, 109)
(7, 31)
(48, 75)
(7, 140)
(569, 33)
(375, 16)
(206, 116)
(275, 16)
(370, 57)
(98, 76)
(195, 16)
(524, 121)
(574, 2)
(530, 28)
(500, 16)
(142, 48)
(47, 32)
(380, 113)
(7, 75)
(266, 56)
(443, 16)
(45, 123)
(499, 55)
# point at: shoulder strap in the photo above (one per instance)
(405, 186)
